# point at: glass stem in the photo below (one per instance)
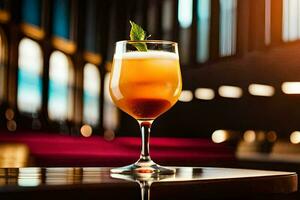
(145, 130)
(145, 190)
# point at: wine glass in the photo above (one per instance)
(145, 82)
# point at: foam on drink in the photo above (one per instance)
(146, 55)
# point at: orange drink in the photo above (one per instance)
(145, 84)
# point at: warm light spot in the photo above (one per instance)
(219, 136)
(291, 87)
(13, 155)
(230, 91)
(86, 130)
(11, 125)
(31, 171)
(30, 176)
(204, 93)
(29, 182)
(249, 136)
(295, 137)
(271, 136)
(261, 136)
(9, 114)
(186, 96)
(109, 135)
(261, 90)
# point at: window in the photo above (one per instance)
(185, 13)
(203, 30)
(3, 57)
(61, 18)
(185, 19)
(228, 20)
(61, 75)
(110, 112)
(91, 94)
(30, 69)
(31, 12)
(291, 20)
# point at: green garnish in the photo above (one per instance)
(137, 33)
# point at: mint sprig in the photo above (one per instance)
(137, 33)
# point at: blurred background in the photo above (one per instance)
(240, 62)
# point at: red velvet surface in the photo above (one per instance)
(61, 150)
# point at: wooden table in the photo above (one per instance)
(187, 183)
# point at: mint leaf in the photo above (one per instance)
(137, 33)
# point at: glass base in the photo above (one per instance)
(143, 168)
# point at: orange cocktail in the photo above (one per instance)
(145, 84)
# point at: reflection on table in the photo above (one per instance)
(188, 182)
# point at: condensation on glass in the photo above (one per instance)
(3, 60)
(228, 24)
(291, 20)
(203, 30)
(185, 19)
(110, 112)
(91, 94)
(61, 80)
(30, 69)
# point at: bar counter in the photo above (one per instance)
(187, 183)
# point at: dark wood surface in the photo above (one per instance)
(188, 182)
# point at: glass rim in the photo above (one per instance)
(147, 41)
